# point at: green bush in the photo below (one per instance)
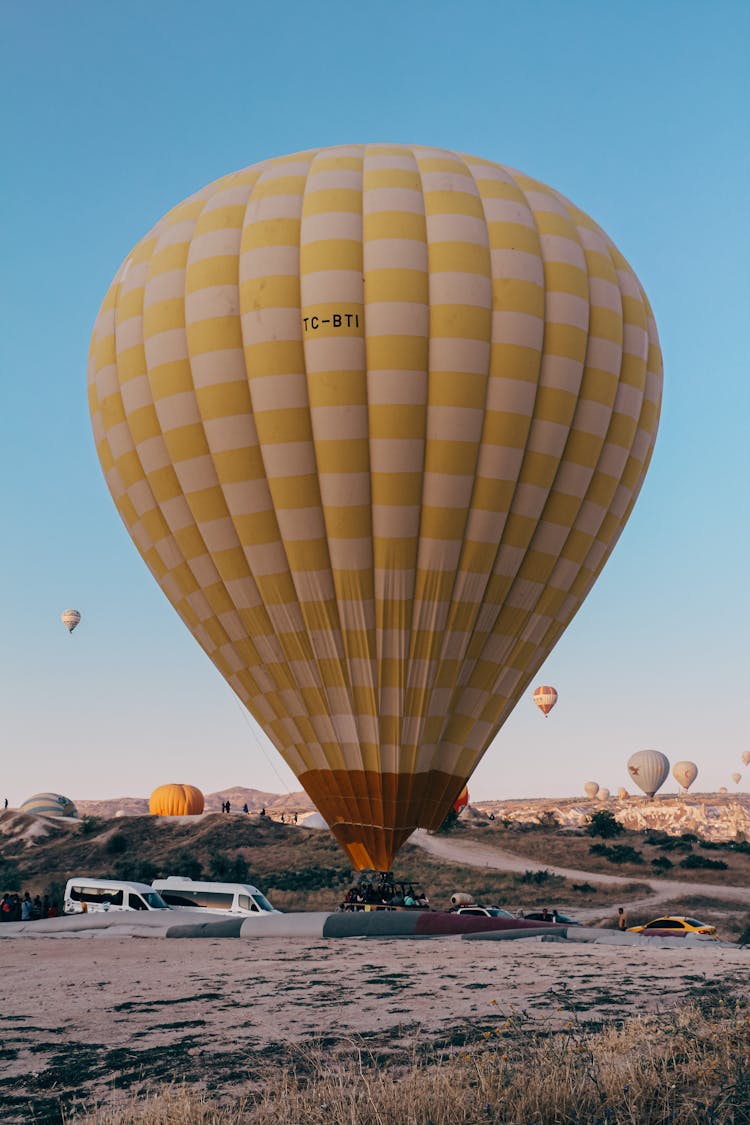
(89, 825)
(185, 864)
(693, 861)
(117, 844)
(538, 878)
(228, 869)
(136, 870)
(10, 876)
(661, 863)
(605, 824)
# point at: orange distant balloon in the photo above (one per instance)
(545, 699)
(176, 800)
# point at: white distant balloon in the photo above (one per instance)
(603, 794)
(746, 758)
(649, 769)
(684, 773)
(70, 618)
(723, 789)
(736, 778)
(591, 788)
(623, 794)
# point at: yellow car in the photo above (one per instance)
(674, 926)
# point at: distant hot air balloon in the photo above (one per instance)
(622, 794)
(545, 699)
(723, 789)
(70, 618)
(746, 758)
(684, 773)
(49, 804)
(176, 800)
(649, 769)
(736, 778)
(461, 801)
(375, 417)
(602, 794)
(591, 788)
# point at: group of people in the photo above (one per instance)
(17, 908)
(383, 893)
(226, 807)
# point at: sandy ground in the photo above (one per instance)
(91, 1020)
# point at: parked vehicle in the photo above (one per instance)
(675, 925)
(483, 911)
(551, 916)
(84, 894)
(217, 898)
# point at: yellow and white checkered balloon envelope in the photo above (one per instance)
(375, 416)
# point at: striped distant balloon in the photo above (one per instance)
(649, 769)
(70, 618)
(49, 804)
(545, 699)
(375, 417)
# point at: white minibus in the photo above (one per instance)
(85, 893)
(220, 898)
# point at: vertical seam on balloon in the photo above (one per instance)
(320, 723)
(343, 778)
(447, 632)
(555, 629)
(467, 671)
(284, 684)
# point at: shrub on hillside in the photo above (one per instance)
(539, 878)
(228, 869)
(10, 876)
(89, 825)
(694, 861)
(117, 844)
(605, 824)
(135, 870)
(662, 863)
(184, 864)
(617, 853)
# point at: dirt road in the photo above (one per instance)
(662, 890)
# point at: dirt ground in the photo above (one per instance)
(89, 1021)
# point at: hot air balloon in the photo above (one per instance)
(649, 769)
(176, 800)
(70, 618)
(375, 417)
(723, 789)
(545, 699)
(591, 788)
(736, 778)
(684, 773)
(746, 758)
(49, 804)
(623, 794)
(461, 801)
(602, 794)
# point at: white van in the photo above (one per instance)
(87, 894)
(218, 898)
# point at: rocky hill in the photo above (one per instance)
(237, 795)
(712, 816)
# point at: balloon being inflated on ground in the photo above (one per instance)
(375, 417)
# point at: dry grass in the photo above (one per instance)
(548, 846)
(299, 869)
(691, 1067)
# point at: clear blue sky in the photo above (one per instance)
(113, 113)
